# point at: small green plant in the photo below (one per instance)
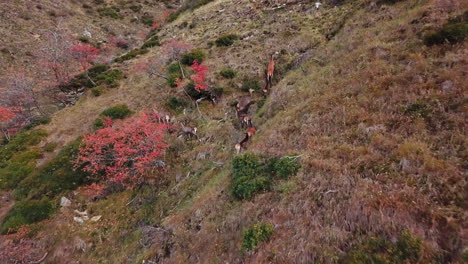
(407, 249)
(176, 104)
(18, 167)
(449, 33)
(217, 91)
(50, 147)
(250, 83)
(147, 20)
(150, 44)
(172, 80)
(228, 73)
(173, 68)
(130, 55)
(112, 12)
(418, 109)
(84, 39)
(54, 177)
(116, 112)
(226, 40)
(19, 143)
(26, 212)
(110, 78)
(97, 91)
(135, 8)
(252, 174)
(256, 234)
(189, 58)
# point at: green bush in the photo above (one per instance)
(130, 55)
(18, 167)
(217, 91)
(147, 20)
(228, 73)
(189, 58)
(112, 12)
(407, 249)
(176, 104)
(226, 40)
(249, 83)
(194, 94)
(172, 80)
(84, 39)
(173, 68)
(256, 234)
(20, 142)
(450, 33)
(40, 120)
(150, 44)
(188, 5)
(252, 174)
(97, 70)
(26, 212)
(135, 8)
(50, 147)
(248, 176)
(116, 112)
(54, 177)
(418, 109)
(390, 2)
(97, 91)
(110, 78)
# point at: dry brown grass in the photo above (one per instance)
(342, 108)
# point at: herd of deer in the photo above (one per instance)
(242, 111)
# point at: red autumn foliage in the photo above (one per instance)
(84, 54)
(18, 248)
(123, 152)
(5, 114)
(200, 74)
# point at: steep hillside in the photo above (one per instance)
(359, 154)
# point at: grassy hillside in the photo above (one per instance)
(359, 156)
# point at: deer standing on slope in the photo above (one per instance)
(269, 74)
(242, 145)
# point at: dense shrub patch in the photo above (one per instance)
(256, 234)
(112, 12)
(176, 104)
(407, 249)
(110, 78)
(54, 177)
(18, 167)
(26, 212)
(226, 40)
(250, 83)
(228, 73)
(20, 142)
(188, 5)
(116, 112)
(130, 55)
(253, 174)
(450, 33)
(189, 58)
(97, 91)
(150, 44)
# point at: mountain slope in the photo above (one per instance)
(376, 118)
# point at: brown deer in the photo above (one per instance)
(245, 121)
(243, 104)
(269, 74)
(189, 131)
(242, 145)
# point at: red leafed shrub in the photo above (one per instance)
(123, 152)
(18, 248)
(5, 114)
(199, 77)
(85, 54)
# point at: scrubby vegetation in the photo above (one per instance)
(194, 55)
(450, 33)
(256, 234)
(116, 112)
(131, 55)
(188, 6)
(26, 212)
(228, 73)
(112, 12)
(253, 174)
(250, 83)
(177, 104)
(226, 40)
(407, 249)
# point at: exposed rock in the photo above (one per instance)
(64, 202)
(78, 219)
(375, 128)
(447, 86)
(405, 166)
(96, 218)
(159, 237)
(79, 244)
